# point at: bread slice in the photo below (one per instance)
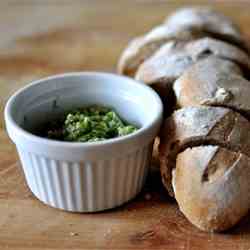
(141, 48)
(186, 24)
(171, 60)
(205, 83)
(194, 126)
(211, 186)
(208, 20)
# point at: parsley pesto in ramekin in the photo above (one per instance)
(100, 157)
(88, 124)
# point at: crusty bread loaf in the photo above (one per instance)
(208, 20)
(171, 60)
(212, 186)
(194, 126)
(206, 83)
(184, 25)
(141, 48)
(204, 149)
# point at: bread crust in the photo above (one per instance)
(184, 25)
(194, 126)
(212, 186)
(206, 83)
(174, 58)
(210, 21)
(143, 47)
(198, 60)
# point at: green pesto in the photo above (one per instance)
(89, 124)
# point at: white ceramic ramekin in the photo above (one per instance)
(84, 177)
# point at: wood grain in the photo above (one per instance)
(40, 38)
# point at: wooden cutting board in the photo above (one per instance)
(40, 38)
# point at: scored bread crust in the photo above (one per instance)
(141, 48)
(172, 59)
(184, 25)
(194, 126)
(212, 186)
(205, 83)
(208, 20)
(198, 59)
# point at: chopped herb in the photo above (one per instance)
(89, 124)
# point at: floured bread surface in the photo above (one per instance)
(185, 24)
(206, 83)
(143, 47)
(211, 186)
(182, 125)
(172, 59)
(209, 20)
(194, 126)
(165, 65)
(198, 62)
